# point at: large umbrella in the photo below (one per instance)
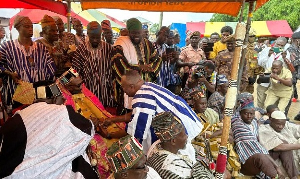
(36, 15)
(95, 15)
(57, 7)
(230, 7)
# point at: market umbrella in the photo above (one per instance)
(57, 7)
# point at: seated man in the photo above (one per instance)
(210, 136)
(270, 109)
(281, 138)
(253, 156)
(88, 105)
(46, 141)
(127, 160)
(163, 155)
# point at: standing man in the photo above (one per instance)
(281, 87)
(107, 33)
(214, 37)
(92, 61)
(221, 45)
(77, 26)
(192, 53)
(265, 60)
(134, 52)
(23, 59)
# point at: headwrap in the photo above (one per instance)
(133, 24)
(221, 79)
(145, 26)
(123, 154)
(76, 21)
(278, 115)
(198, 95)
(230, 38)
(105, 24)
(166, 126)
(47, 21)
(20, 20)
(246, 101)
(93, 27)
(195, 33)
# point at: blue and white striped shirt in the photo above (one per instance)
(152, 99)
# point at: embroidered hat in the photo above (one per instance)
(68, 76)
(221, 79)
(133, 24)
(278, 115)
(166, 126)
(47, 21)
(105, 24)
(123, 154)
(20, 20)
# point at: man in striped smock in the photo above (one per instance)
(150, 99)
(92, 61)
(23, 59)
(254, 158)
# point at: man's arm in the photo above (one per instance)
(287, 147)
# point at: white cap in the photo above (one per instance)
(278, 115)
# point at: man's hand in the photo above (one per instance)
(274, 76)
(271, 51)
(202, 79)
(107, 122)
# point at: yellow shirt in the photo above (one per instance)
(218, 46)
(278, 88)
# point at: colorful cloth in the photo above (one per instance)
(129, 56)
(246, 138)
(15, 58)
(46, 141)
(151, 174)
(170, 165)
(152, 99)
(270, 139)
(217, 102)
(94, 66)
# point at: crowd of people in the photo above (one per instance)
(132, 108)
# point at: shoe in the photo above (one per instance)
(297, 117)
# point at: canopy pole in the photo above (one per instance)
(248, 26)
(241, 12)
(161, 16)
(69, 16)
(230, 99)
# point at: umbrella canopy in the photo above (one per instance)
(36, 15)
(50, 5)
(230, 7)
(95, 15)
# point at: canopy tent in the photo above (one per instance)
(36, 15)
(95, 15)
(275, 28)
(230, 7)
(57, 7)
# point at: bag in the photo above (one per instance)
(289, 65)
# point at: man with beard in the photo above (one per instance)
(77, 26)
(134, 52)
(92, 61)
(107, 33)
(23, 59)
(49, 39)
(66, 38)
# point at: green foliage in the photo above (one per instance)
(272, 10)
(154, 28)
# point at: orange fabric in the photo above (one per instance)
(231, 7)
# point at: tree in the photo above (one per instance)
(272, 10)
(154, 28)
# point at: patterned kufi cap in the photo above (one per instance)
(123, 154)
(221, 79)
(20, 20)
(105, 24)
(133, 24)
(198, 95)
(196, 33)
(246, 100)
(47, 21)
(166, 126)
